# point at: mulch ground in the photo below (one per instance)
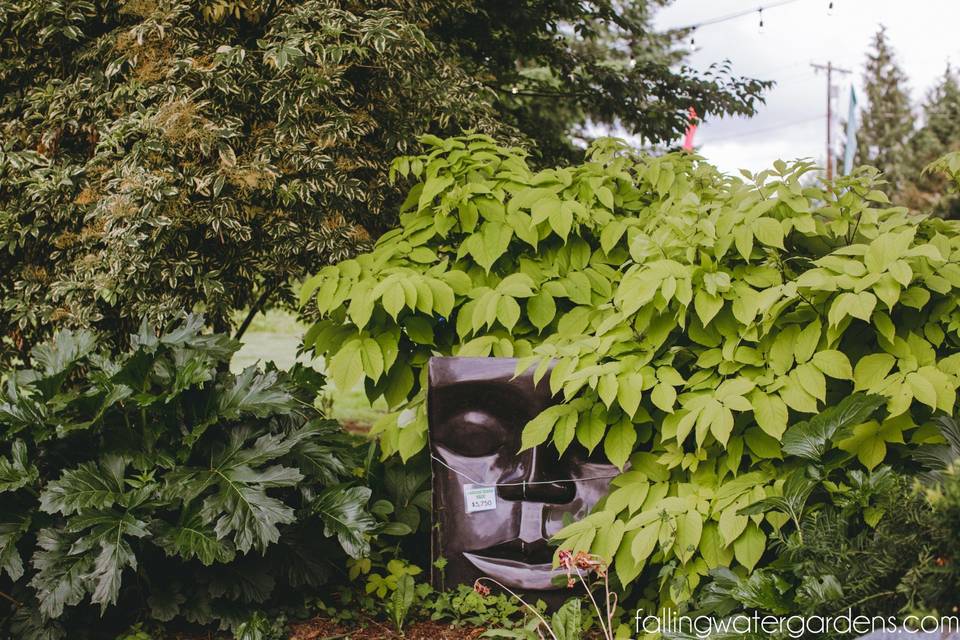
(321, 629)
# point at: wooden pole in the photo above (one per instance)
(829, 68)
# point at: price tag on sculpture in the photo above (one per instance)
(478, 498)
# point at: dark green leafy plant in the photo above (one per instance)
(155, 483)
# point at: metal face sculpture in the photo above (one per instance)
(495, 508)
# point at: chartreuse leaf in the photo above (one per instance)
(618, 445)
(871, 370)
(713, 550)
(541, 309)
(591, 427)
(538, 430)
(689, 531)
(770, 413)
(346, 366)
(834, 364)
(868, 440)
(749, 547)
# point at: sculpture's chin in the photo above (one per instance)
(516, 574)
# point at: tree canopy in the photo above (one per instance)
(886, 123)
(160, 154)
(939, 134)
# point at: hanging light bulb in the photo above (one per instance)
(760, 11)
(830, 8)
(693, 40)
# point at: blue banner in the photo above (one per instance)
(850, 149)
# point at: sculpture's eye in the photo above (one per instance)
(474, 433)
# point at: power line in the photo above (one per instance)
(781, 125)
(735, 15)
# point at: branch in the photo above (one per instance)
(254, 310)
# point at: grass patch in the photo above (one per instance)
(274, 337)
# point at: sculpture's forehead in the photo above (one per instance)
(451, 371)
(446, 371)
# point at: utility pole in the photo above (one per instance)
(830, 69)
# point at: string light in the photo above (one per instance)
(693, 40)
(733, 16)
(830, 8)
(760, 12)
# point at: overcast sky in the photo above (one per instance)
(924, 33)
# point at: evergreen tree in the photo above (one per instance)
(940, 134)
(887, 121)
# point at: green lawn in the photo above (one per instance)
(275, 336)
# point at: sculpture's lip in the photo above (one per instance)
(516, 574)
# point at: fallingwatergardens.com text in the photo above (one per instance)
(792, 626)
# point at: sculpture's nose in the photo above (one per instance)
(545, 479)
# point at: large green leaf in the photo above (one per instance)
(13, 526)
(61, 577)
(109, 531)
(190, 537)
(16, 471)
(256, 393)
(89, 486)
(344, 514)
(809, 439)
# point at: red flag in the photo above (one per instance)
(691, 130)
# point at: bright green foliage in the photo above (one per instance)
(691, 316)
(157, 484)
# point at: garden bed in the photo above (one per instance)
(325, 629)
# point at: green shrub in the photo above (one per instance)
(882, 543)
(154, 483)
(692, 317)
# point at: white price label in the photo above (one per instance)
(477, 498)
